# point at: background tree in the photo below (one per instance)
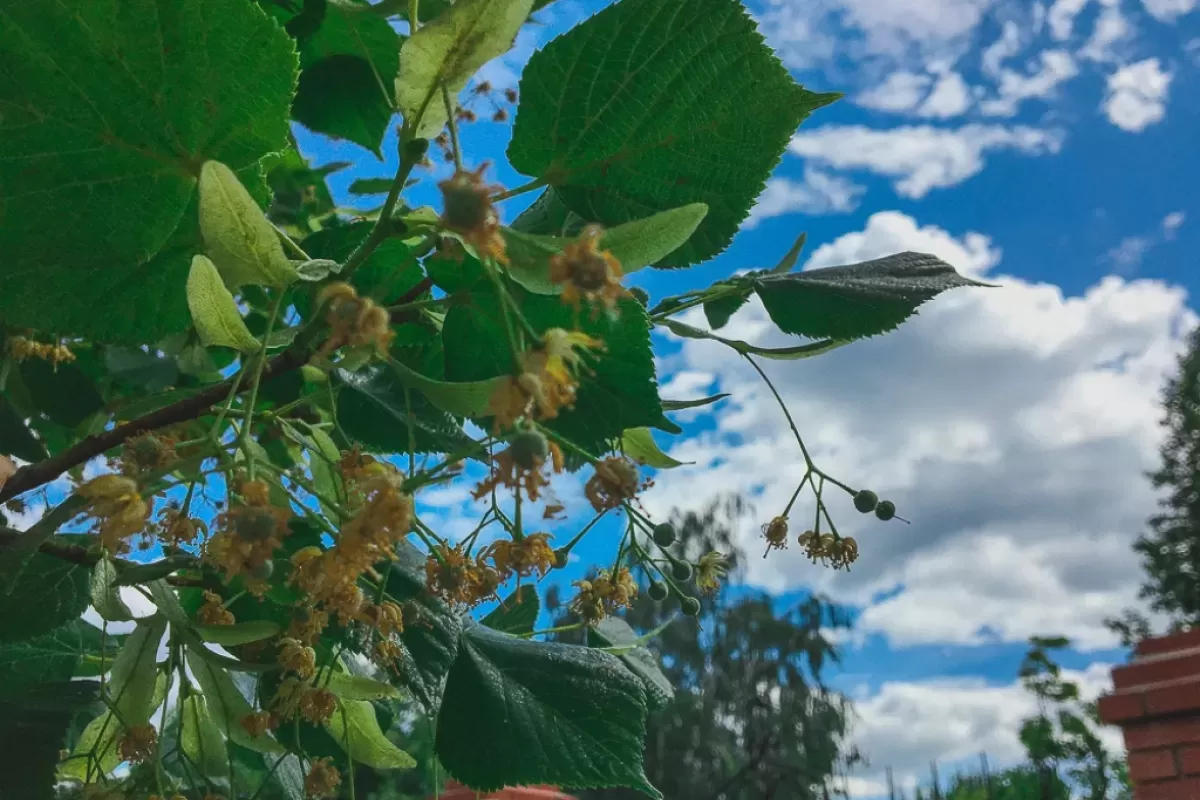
(751, 718)
(1170, 549)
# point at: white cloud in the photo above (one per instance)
(1012, 425)
(949, 98)
(1171, 223)
(1062, 17)
(900, 91)
(1057, 67)
(905, 725)
(818, 193)
(919, 158)
(1137, 95)
(1168, 10)
(1129, 252)
(1004, 48)
(1112, 30)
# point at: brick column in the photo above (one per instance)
(456, 791)
(1156, 702)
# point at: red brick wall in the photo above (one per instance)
(1156, 702)
(455, 791)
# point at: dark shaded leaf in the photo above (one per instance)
(50, 592)
(516, 614)
(615, 632)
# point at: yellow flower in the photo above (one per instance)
(603, 595)
(520, 466)
(614, 482)
(588, 273)
(297, 658)
(709, 571)
(318, 705)
(118, 508)
(213, 612)
(531, 554)
(22, 348)
(387, 618)
(354, 321)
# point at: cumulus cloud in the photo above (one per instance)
(1172, 222)
(1061, 17)
(1111, 33)
(950, 97)
(919, 158)
(901, 91)
(817, 193)
(1012, 425)
(904, 725)
(1168, 10)
(1137, 95)
(1056, 67)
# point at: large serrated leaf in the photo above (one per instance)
(615, 632)
(654, 104)
(135, 672)
(106, 599)
(110, 108)
(856, 301)
(49, 593)
(201, 738)
(516, 614)
(551, 713)
(227, 705)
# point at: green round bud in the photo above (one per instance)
(640, 294)
(681, 571)
(866, 501)
(885, 510)
(690, 606)
(657, 591)
(664, 534)
(561, 557)
(263, 570)
(529, 449)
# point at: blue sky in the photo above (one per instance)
(1046, 147)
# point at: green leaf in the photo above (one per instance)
(856, 301)
(65, 394)
(49, 593)
(389, 272)
(551, 713)
(30, 742)
(745, 348)
(348, 67)
(16, 554)
(549, 215)
(679, 405)
(356, 729)
(620, 392)
(110, 109)
(201, 738)
(243, 244)
(516, 614)
(227, 705)
(639, 444)
(447, 52)
(651, 105)
(48, 658)
(359, 687)
(135, 670)
(635, 244)
(718, 310)
(98, 738)
(15, 437)
(138, 369)
(370, 186)
(791, 256)
(238, 633)
(214, 311)
(167, 602)
(373, 410)
(469, 399)
(106, 599)
(430, 640)
(615, 632)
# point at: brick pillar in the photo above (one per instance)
(1156, 702)
(456, 791)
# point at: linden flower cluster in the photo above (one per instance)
(603, 595)
(827, 548)
(118, 509)
(548, 379)
(21, 348)
(247, 536)
(354, 321)
(458, 578)
(520, 467)
(322, 780)
(467, 210)
(139, 744)
(614, 482)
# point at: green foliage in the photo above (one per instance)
(618, 142)
(550, 713)
(214, 359)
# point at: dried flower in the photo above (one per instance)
(258, 723)
(322, 779)
(318, 705)
(452, 575)
(588, 273)
(139, 744)
(523, 558)
(520, 466)
(355, 321)
(147, 452)
(469, 212)
(775, 532)
(614, 482)
(21, 348)
(297, 658)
